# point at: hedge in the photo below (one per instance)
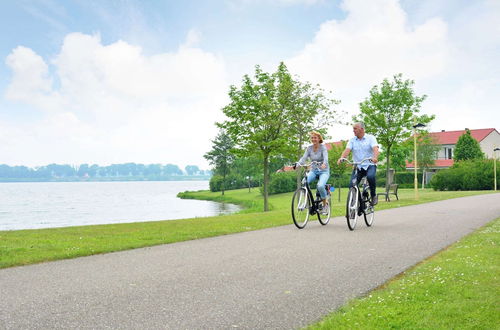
(233, 181)
(466, 175)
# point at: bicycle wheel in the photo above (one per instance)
(352, 206)
(369, 213)
(300, 207)
(325, 218)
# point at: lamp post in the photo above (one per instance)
(415, 126)
(495, 166)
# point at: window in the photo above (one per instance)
(448, 153)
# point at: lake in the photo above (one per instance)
(32, 205)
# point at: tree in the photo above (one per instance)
(257, 118)
(427, 151)
(467, 148)
(309, 109)
(389, 113)
(220, 156)
(171, 169)
(192, 169)
(270, 116)
(337, 170)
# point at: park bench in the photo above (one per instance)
(391, 190)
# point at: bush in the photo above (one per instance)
(233, 181)
(282, 182)
(466, 175)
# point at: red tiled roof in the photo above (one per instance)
(437, 163)
(286, 169)
(451, 137)
(337, 143)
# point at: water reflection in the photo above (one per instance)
(226, 208)
(62, 204)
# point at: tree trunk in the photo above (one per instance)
(266, 182)
(387, 169)
(298, 173)
(223, 182)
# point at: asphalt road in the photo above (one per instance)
(278, 278)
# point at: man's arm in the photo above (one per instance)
(344, 154)
(375, 155)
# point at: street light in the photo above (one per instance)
(415, 126)
(495, 166)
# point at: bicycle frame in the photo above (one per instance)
(314, 207)
(362, 200)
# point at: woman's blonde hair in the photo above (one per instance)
(318, 135)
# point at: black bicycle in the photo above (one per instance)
(359, 200)
(304, 205)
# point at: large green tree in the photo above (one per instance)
(221, 156)
(467, 148)
(256, 120)
(310, 108)
(389, 113)
(270, 115)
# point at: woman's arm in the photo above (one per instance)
(302, 161)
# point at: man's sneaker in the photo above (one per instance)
(374, 200)
(324, 210)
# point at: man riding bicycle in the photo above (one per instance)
(363, 146)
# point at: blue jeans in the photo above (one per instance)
(323, 177)
(370, 173)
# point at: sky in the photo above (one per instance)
(115, 81)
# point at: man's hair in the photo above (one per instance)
(360, 124)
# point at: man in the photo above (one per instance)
(363, 146)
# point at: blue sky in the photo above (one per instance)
(143, 81)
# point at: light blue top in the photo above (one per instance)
(320, 155)
(362, 148)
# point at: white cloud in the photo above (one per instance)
(376, 41)
(114, 104)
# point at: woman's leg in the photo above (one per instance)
(323, 178)
(311, 176)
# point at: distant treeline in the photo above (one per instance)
(115, 172)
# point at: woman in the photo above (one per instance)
(317, 152)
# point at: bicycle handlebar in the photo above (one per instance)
(355, 163)
(295, 165)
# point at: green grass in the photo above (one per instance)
(23, 247)
(458, 288)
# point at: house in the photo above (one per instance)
(488, 139)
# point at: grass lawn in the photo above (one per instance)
(23, 247)
(458, 288)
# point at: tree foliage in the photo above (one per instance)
(390, 112)
(467, 148)
(269, 115)
(221, 156)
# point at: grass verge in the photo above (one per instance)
(23, 247)
(457, 288)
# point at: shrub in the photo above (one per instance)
(233, 181)
(466, 175)
(282, 182)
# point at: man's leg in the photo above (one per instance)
(370, 175)
(361, 173)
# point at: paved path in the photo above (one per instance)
(278, 278)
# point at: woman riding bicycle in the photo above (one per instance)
(317, 152)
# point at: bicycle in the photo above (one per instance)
(304, 205)
(359, 201)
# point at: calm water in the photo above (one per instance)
(61, 204)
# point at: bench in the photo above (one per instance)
(392, 190)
